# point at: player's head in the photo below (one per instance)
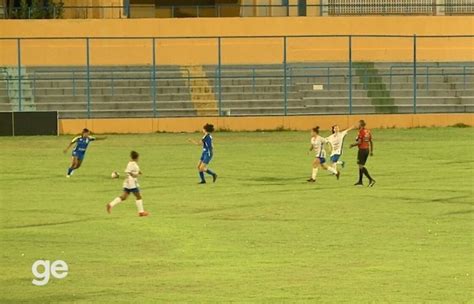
(134, 155)
(208, 128)
(335, 129)
(361, 124)
(315, 131)
(85, 132)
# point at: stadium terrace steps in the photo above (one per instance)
(202, 93)
(312, 88)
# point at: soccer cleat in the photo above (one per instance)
(358, 184)
(201, 182)
(343, 163)
(338, 175)
(214, 178)
(311, 180)
(371, 183)
(144, 213)
(109, 208)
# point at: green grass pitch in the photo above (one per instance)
(260, 234)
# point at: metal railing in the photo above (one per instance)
(243, 10)
(348, 75)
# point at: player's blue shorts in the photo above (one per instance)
(335, 158)
(322, 160)
(79, 154)
(133, 190)
(206, 157)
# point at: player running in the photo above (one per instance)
(317, 145)
(207, 153)
(130, 185)
(364, 142)
(336, 139)
(79, 152)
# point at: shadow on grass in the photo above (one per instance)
(458, 212)
(442, 200)
(55, 223)
(90, 297)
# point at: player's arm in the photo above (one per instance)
(349, 129)
(194, 142)
(97, 137)
(358, 142)
(132, 174)
(371, 143)
(73, 141)
(329, 145)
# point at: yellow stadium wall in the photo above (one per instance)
(151, 125)
(235, 51)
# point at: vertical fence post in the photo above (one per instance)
(88, 75)
(414, 74)
(350, 74)
(153, 40)
(285, 85)
(18, 44)
(464, 78)
(219, 73)
(74, 83)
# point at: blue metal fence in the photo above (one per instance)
(287, 71)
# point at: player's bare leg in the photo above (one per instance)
(361, 169)
(314, 173)
(75, 163)
(332, 170)
(201, 168)
(116, 201)
(139, 203)
(205, 169)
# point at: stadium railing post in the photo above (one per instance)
(285, 86)
(350, 74)
(88, 80)
(414, 74)
(153, 41)
(18, 44)
(219, 73)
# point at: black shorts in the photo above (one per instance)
(362, 156)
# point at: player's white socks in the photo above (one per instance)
(139, 204)
(332, 170)
(116, 201)
(315, 172)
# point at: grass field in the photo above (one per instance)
(261, 234)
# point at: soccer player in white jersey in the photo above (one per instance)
(336, 139)
(130, 185)
(317, 145)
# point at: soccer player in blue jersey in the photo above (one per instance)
(82, 142)
(207, 153)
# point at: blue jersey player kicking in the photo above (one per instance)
(82, 142)
(207, 153)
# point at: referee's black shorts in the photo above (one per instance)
(362, 156)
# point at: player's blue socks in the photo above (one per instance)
(201, 175)
(69, 171)
(210, 172)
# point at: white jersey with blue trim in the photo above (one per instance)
(318, 145)
(131, 182)
(337, 140)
